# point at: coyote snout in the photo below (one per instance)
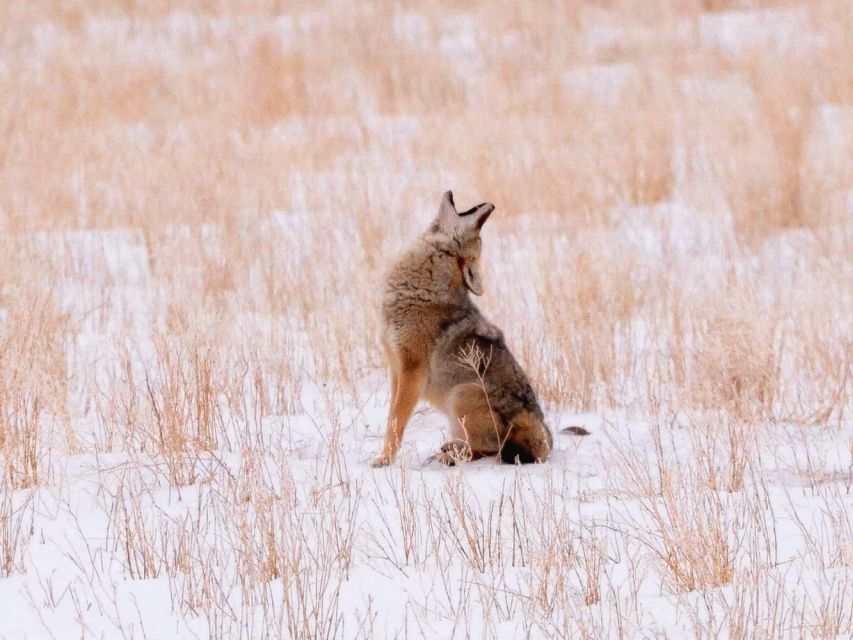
(439, 347)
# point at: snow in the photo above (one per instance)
(411, 28)
(408, 567)
(75, 573)
(777, 30)
(827, 151)
(417, 549)
(602, 83)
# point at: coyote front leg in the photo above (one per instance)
(409, 382)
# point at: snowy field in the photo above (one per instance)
(197, 202)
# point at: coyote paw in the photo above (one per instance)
(446, 458)
(453, 453)
(381, 461)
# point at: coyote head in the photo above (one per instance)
(460, 232)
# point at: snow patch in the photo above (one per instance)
(779, 30)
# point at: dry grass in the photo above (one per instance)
(196, 205)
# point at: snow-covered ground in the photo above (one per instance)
(674, 523)
(639, 530)
(192, 241)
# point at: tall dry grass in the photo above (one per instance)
(197, 201)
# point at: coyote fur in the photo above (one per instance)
(440, 348)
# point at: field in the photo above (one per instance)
(197, 204)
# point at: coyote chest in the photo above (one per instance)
(422, 296)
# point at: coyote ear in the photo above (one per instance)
(476, 217)
(446, 219)
(447, 206)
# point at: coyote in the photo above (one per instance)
(439, 347)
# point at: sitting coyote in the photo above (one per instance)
(440, 347)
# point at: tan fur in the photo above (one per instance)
(430, 325)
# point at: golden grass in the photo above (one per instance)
(197, 202)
